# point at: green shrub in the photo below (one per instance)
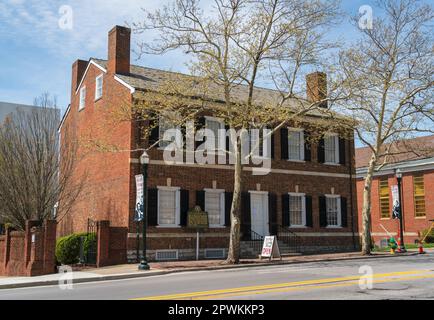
(68, 248)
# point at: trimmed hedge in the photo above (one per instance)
(68, 248)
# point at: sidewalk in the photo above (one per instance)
(129, 271)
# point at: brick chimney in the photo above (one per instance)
(78, 69)
(119, 42)
(316, 84)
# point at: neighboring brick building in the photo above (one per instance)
(415, 159)
(312, 195)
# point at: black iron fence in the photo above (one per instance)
(89, 244)
(254, 240)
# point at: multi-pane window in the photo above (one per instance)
(384, 198)
(168, 207)
(98, 89)
(214, 125)
(419, 196)
(214, 206)
(261, 147)
(297, 210)
(333, 211)
(295, 144)
(164, 125)
(331, 149)
(82, 98)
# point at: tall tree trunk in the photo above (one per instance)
(234, 243)
(366, 210)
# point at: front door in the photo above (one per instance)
(259, 212)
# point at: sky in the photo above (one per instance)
(39, 41)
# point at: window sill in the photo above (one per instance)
(332, 164)
(97, 99)
(171, 226)
(81, 109)
(333, 227)
(216, 227)
(297, 227)
(296, 161)
(385, 219)
(420, 218)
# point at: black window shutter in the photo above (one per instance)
(344, 217)
(228, 206)
(321, 151)
(154, 135)
(272, 213)
(284, 143)
(307, 147)
(308, 205)
(184, 207)
(246, 220)
(272, 146)
(285, 210)
(152, 207)
(200, 124)
(200, 199)
(322, 212)
(228, 141)
(342, 151)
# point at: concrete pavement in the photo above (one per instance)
(404, 277)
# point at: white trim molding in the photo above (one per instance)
(405, 167)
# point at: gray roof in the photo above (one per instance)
(144, 78)
(7, 109)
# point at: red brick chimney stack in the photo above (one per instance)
(78, 69)
(316, 84)
(119, 50)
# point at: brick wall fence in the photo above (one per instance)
(112, 244)
(30, 252)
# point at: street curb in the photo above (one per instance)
(194, 269)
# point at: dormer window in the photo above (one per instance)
(98, 89)
(82, 98)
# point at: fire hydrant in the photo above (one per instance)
(393, 245)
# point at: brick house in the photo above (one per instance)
(415, 159)
(310, 192)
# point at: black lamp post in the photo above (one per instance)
(144, 161)
(398, 175)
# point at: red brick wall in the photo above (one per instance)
(412, 225)
(104, 140)
(20, 256)
(112, 244)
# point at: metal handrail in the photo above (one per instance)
(254, 239)
(289, 238)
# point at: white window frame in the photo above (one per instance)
(161, 142)
(177, 191)
(335, 196)
(302, 142)
(303, 210)
(221, 140)
(222, 207)
(82, 102)
(336, 138)
(266, 150)
(97, 89)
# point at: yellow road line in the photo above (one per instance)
(305, 288)
(275, 286)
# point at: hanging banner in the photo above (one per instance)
(139, 199)
(395, 200)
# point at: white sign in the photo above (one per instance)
(139, 198)
(270, 249)
(395, 201)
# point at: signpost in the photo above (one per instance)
(270, 248)
(198, 220)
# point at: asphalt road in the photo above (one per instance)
(405, 277)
